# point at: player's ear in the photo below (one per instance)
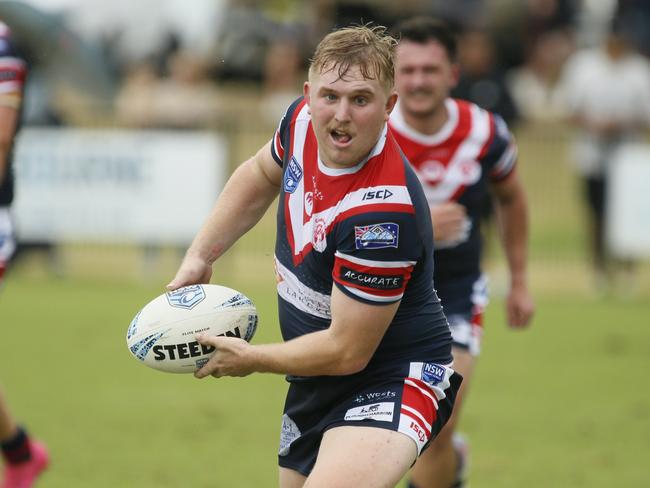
(390, 103)
(306, 91)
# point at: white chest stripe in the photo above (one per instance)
(291, 289)
(297, 198)
(469, 150)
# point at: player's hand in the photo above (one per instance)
(229, 359)
(193, 270)
(450, 223)
(519, 307)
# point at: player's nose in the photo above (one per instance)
(342, 113)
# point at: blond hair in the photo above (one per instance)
(368, 47)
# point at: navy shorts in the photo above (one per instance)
(464, 301)
(413, 398)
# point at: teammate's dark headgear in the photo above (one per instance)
(423, 29)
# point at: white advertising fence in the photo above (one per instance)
(116, 186)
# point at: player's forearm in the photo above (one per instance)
(316, 354)
(513, 215)
(242, 203)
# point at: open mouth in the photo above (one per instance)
(340, 137)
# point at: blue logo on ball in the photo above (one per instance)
(187, 297)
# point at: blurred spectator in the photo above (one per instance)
(634, 17)
(185, 99)
(534, 85)
(607, 93)
(282, 77)
(519, 24)
(481, 80)
(245, 35)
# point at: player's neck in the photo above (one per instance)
(428, 124)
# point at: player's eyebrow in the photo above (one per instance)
(353, 92)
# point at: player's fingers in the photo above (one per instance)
(173, 285)
(178, 281)
(204, 371)
(207, 340)
(519, 318)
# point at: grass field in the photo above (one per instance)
(560, 405)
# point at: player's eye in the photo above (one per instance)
(330, 97)
(361, 100)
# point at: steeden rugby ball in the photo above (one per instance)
(162, 334)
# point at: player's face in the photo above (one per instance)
(424, 76)
(347, 115)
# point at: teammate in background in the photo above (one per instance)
(367, 347)
(24, 458)
(459, 152)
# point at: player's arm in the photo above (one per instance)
(8, 124)
(245, 198)
(512, 213)
(344, 348)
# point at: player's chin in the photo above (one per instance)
(420, 106)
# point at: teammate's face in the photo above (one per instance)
(347, 115)
(424, 76)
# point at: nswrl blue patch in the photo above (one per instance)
(292, 175)
(433, 373)
(376, 236)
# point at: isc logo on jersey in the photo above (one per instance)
(377, 195)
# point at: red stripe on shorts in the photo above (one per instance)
(414, 398)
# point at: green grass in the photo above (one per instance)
(562, 404)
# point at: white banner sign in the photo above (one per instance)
(115, 186)
(628, 210)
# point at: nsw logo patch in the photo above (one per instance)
(433, 373)
(292, 175)
(376, 236)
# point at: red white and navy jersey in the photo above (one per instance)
(365, 229)
(13, 70)
(473, 148)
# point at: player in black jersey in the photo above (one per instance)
(25, 458)
(367, 349)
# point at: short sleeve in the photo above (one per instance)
(375, 256)
(501, 152)
(280, 138)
